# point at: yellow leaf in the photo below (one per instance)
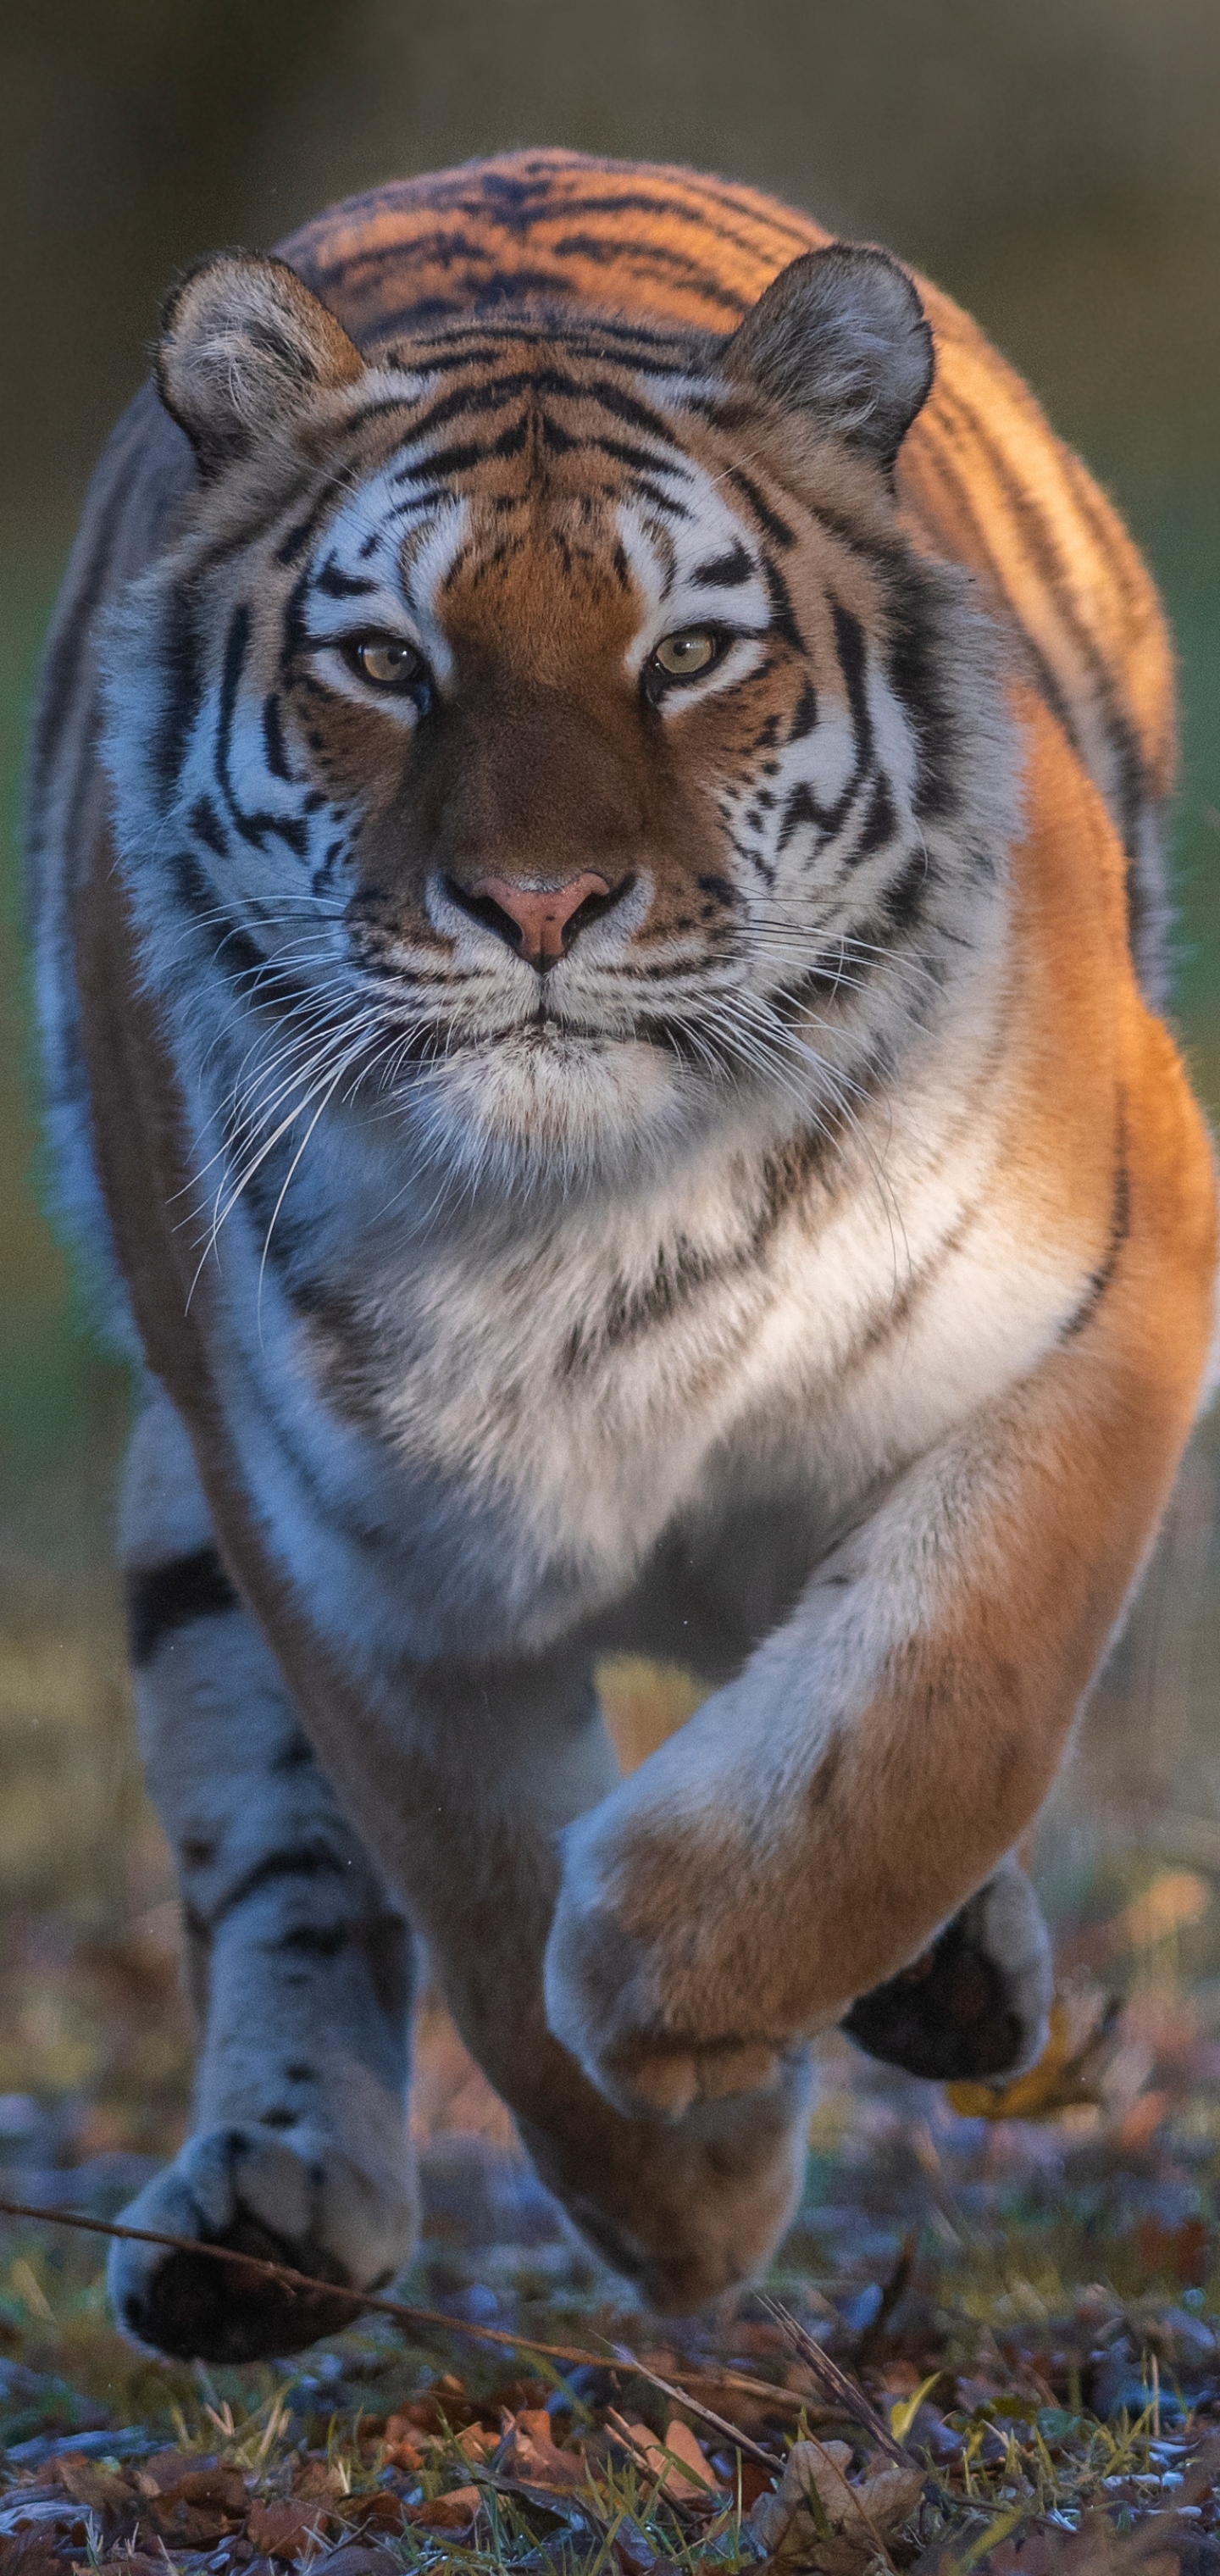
(1060, 2081)
(905, 2409)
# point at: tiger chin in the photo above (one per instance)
(596, 815)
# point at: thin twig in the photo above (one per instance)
(836, 2383)
(433, 2319)
(740, 2441)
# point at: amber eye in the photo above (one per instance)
(683, 657)
(385, 662)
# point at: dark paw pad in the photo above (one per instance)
(195, 2308)
(948, 2016)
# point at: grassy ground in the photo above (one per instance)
(1027, 2308)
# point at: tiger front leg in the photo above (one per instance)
(300, 1968)
(830, 1813)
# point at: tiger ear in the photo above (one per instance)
(841, 335)
(243, 346)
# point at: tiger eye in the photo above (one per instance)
(388, 664)
(682, 657)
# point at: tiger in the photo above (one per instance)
(596, 821)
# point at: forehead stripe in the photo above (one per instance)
(724, 572)
(459, 460)
(767, 517)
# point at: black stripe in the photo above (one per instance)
(337, 584)
(314, 1940)
(767, 518)
(880, 822)
(182, 662)
(253, 826)
(903, 901)
(801, 805)
(433, 471)
(303, 1861)
(724, 572)
(1120, 1227)
(805, 714)
(1042, 546)
(162, 1598)
(273, 740)
(915, 618)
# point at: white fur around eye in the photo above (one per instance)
(335, 671)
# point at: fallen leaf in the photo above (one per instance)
(886, 2498)
(86, 2483)
(215, 2489)
(456, 2511)
(379, 2510)
(404, 2454)
(819, 2517)
(691, 2482)
(284, 2528)
(534, 2456)
(28, 2553)
(476, 2442)
(313, 2478)
(1062, 2080)
(155, 2476)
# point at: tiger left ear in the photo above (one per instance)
(840, 335)
(244, 344)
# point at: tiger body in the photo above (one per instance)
(795, 1261)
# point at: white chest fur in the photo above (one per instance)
(498, 1424)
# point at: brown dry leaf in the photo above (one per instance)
(854, 2517)
(379, 2510)
(534, 2456)
(214, 2490)
(405, 2454)
(86, 2483)
(284, 2528)
(157, 2475)
(886, 2498)
(476, 2442)
(312, 2479)
(692, 2483)
(28, 2553)
(453, 2512)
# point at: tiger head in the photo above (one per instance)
(546, 732)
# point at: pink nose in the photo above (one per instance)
(540, 913)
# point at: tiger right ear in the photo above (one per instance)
(243, 345)
(840, 335)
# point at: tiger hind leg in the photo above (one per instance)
(300, 1967)
(973, 2007)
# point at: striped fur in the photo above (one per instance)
(803, 1268)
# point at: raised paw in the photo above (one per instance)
(974, 2006)
(306, 2205)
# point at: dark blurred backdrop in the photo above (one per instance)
(1055, 164)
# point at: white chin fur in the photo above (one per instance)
(549, 1102)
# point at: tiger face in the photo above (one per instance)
(545, 733)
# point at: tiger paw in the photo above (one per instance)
(975, 2005)
(305, 2205)
(661, 2025)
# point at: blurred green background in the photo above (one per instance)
(1056, 166)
